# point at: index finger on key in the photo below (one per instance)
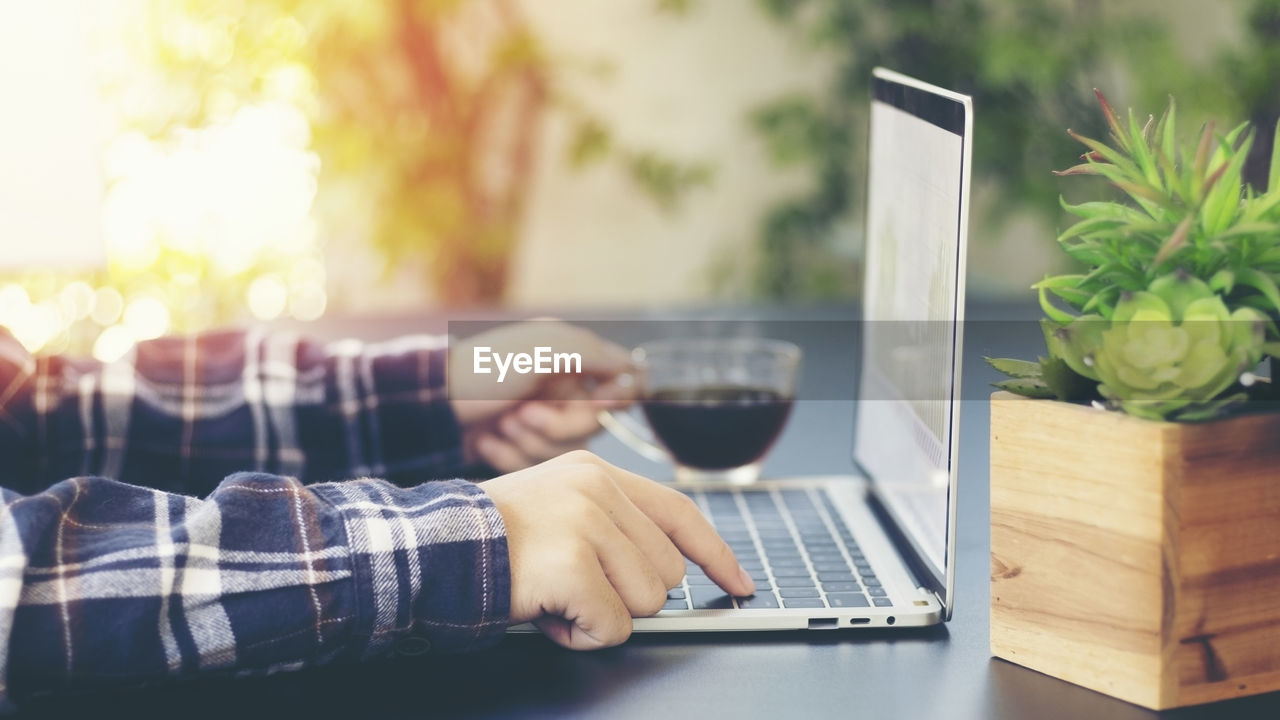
(678, 516)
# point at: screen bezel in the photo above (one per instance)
(952, 112)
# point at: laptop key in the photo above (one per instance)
(876, 592)
(759, 601)
(791, 572)
(798, 592)
(710, 599)
(847, 600)
(773, 547)
(675, 594)
(870, 581)
(699, 580)
(835, 577)
(841, 587)
(758, 575)
(803, 603)
(785, 582)
(830, 566)
(676, 604)
(818, 557)
(882, 602)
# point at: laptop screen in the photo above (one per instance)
(917, 212)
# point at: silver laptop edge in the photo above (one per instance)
(940, 580)
(921, 593)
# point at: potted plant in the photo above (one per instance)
(1135, 501)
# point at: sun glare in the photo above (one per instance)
(204, 222)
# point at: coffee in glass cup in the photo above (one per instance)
(716, 406)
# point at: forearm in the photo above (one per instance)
(101, 581)
(386, 412)
(179, 414)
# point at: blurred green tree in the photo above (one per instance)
(1030, 67)
(1254, 69)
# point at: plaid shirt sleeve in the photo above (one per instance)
(180, 414)
(103, 581)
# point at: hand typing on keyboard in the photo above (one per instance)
(592, 545)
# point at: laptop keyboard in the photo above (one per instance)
(794, 545)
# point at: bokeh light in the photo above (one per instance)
(76, 300)
(107, 306)
(207, 218)
(267, 297)
(113, 343)
(146, 318)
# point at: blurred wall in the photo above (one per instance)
(682, 84)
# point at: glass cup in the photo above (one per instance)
(715, 406)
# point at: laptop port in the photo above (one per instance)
(823, 623)
(859, 621)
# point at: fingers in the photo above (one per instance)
(586, 613)
(535, 443)
(500, 454)
(629, 570)
(511, 444)
(679, 518)
(477, 396)
(591, 545)
(600, 357)
(620, 391)
(663, 562)
(571, 420)
(566, 422)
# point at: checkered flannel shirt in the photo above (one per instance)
(188, 508)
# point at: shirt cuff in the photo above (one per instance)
(392, 411)
(430, 562)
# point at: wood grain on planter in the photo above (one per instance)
(1136, 558)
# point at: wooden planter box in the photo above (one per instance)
(1136, 558)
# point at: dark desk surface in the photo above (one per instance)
(943, 672)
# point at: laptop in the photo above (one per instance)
(876, 548)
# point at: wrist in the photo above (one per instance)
(430, 562)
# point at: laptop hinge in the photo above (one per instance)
(916, 565)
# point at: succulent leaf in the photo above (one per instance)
(1172, 348)
(1176, 242)
(1222, 281)
(1082, 169)
(1209, 411)
(1059, 316)
(1015, 368)
(1110, 114)
(1262, 283)
(1066, 384)
(1027, 387)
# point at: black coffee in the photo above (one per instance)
(717, 427)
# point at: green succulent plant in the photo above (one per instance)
(1169, 352)
(1180, 299)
